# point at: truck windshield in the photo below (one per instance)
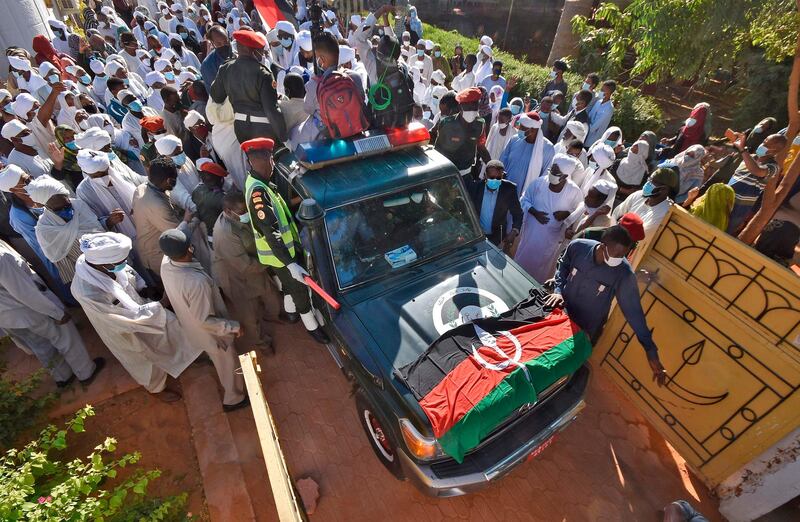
(373, 237)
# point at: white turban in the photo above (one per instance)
(105, 248)
(438, 76)
(177, 8)
(355, 19)
(43, 188)
(272, 36)
(4, 94)
(161, 64)
(97, 66)
(57, 24)
(9, 177)
(405, 35)
(304, 40)
(192, 119)
(603, 155)
(91, 161)
(428, 45)
(186, 76)
(46, 68)
(94, 138)
(529, 123)
(108, 10)
(154, 77)
(141, 53)
(166, 145)
(20, 64)
(149, 26)
(175, 36)
(73, 70)
(346, 54)
(567, 164)
(112, 67)
(485, 49)
(438, 91)
(169, 54)
(330, 16)
(12, 129)
(577, 129)
(286, 27)
(487, 40)
(117, 58)
(604, 186)
(121, 95)
(23, 105)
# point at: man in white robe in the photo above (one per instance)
(601, 158)
(223, 138)
(198, 304)
(146, 338)
(35, 319)
(550, 205)
(171, 146)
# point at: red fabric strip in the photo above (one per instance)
(470, 381)
(270, 12)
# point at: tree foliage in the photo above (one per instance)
(686, 39)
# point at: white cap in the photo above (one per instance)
(304, 40)
(97, 66)
(154, 77)
(428, 45)
(12, 129)
(161, 64)
(192, 119)
(166, 145)
(9, 177)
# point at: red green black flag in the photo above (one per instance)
(475, 376)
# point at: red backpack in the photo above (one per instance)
(341, 106)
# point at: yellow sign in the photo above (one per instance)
(727, 323)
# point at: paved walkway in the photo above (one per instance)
(607, 466)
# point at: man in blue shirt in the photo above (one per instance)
(529, 154)
(222, 53)
(495, 78)
(590, 275)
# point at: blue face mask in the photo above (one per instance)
(761, 151)
(420, 53)
(648, 189)
(184, 36)
(7, 108)
(71, 146)
(286, 42)
(37, 211)
(610, 143)
(111, 156)
(437, 54)
(53, 78)
(170, 77)
(118, 268)
(125, 82)
(521, 134)
(515, 109)
(135, 106)
(493, 184)
(66, 213)
(180, 159)
(85, 79)
(244, 218)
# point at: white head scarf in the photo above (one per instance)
(23, 105)
(12, 129)
(43, 188)
(20, 64)
(633, 169)
(166, 145)
(102, 249)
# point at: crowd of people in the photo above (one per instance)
(137, 160)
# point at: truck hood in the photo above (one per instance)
(406, 318)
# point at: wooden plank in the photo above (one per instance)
(287, 502)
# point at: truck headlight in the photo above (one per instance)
(421, 447)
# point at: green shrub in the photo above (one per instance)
(20, 408)
(634, 112)
(35, 485)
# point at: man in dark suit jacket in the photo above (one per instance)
(494, 199)
(580, 112)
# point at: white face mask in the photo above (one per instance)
(612, 261)
(553, 75)
(469, 116)
(553, 179)
(83, 124)
(104, 181)
(503, 125)
(28, 140)
(690, 122)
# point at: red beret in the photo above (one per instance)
(212, 168)
(250, 39)
(633, 224)
(533, 114)
(470, 95)
(258, 144)
(152, 123)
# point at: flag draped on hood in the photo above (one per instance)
(474, 377)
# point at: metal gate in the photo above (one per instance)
(727, 323)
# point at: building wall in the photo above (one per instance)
(20, 21)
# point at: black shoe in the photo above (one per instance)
(99, 364)
(289, 317)
(227, 408)
(319, 335)
(64, 384)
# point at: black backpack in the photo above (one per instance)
(392, 98)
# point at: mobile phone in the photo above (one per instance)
(730, 135)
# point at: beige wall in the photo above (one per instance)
(20, 21)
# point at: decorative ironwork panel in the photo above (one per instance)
(725, 321)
